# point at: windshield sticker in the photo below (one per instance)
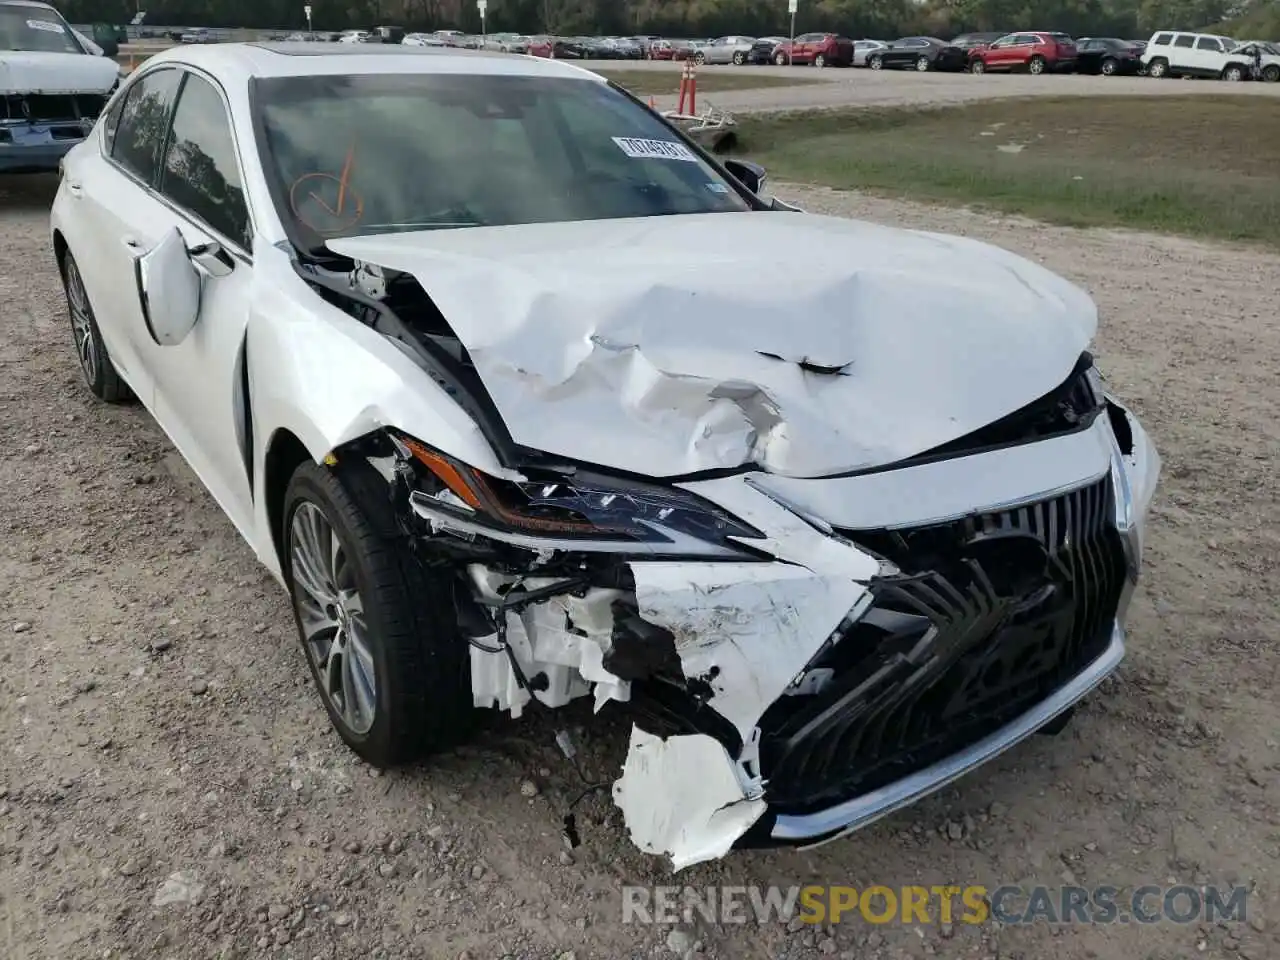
(48, 26)
(655, 149)
(717, 188)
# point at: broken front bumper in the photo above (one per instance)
(915, 623)
(37, 148)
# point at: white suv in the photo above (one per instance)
(1173, 54)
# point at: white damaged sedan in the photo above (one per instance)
(524, 398)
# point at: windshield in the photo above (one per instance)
(388, 153)
(35, 29)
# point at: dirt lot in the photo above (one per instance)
(170, 787)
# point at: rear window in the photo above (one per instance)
(1183, 41)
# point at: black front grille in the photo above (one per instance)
(989, 616)
(52, 108)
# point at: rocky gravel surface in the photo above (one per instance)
(170, 787)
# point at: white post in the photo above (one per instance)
(792, 6)
(483, 7)
(307, 11)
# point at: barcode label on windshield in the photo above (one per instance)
(48, 26)
(655, 149)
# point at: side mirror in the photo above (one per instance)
(750, 175)
(169, 287)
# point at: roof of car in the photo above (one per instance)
(26, 3)
(299, 58)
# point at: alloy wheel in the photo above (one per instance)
(81, 322)
(1108, 67)
(922, 64)
(331, 615)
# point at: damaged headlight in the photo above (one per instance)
(584, 511)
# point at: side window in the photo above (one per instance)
(200, 170)
(1162, 39)
(138, 137)
(1207, 43)
(1183, 40)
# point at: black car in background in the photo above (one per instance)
(920, 53)
(1107, 56)
(762, 50)
(971, 41)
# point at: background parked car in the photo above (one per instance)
(1243, 56)
(919, 53)
(864, 48)
(733, 49)
(762, 50)
(1107, 56)
(972, 41)
(1036, 53)
(197, 35)
(818, 49)
(670, 50)
(1170, 53)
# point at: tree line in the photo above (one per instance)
(884, 19)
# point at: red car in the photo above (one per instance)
(669, 50)
(819, 49)
(540, 47)
(1033, 52)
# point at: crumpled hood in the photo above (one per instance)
(808, 345)
(23, 71)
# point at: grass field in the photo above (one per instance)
(1202, 166)
(645, 83)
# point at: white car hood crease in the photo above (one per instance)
(23, 71)
(649, 344)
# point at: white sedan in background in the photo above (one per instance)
(524, 398)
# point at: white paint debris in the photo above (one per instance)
(682, 797)
(181, 888)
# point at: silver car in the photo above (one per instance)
(864, 48)
(725, 50)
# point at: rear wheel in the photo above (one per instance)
(922, 64)
(739, 58)
(699, 58)
(1233, 72)
(1036, 66)
(379, 630)
(978, 67)
(1108, 67)
(820, 60)
(95, 364)
(875, 63)
(1158, 69)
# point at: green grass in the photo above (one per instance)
(1201, 166)
(646, 83)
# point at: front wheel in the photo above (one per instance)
(95, 364)
(1158, 69)
(1036, 66)
(1108, 67)
(1233, 73)
(876, 63)
(1271, 74)
(977, 67)
(780, 59)
(922, 64)
(739, 58)
(699, 58)
(379, 629)
(820, 61)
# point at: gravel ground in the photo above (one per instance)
(170, 786)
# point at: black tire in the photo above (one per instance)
(820, 60)
(922, 64)
(1158, 69)
(739, 58)
(1233, 72)
(876, 63)
(1037, 65)
(1108, 67)
(421, 662)
(699, 58)
(780, 59)
(978, 67)
(1271, 73)
(91, 353)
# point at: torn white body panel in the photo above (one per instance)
(39, 72)
(565, 638)
(681, 797)
(745, 629)
(808, 345)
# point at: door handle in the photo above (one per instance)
(74, 188)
